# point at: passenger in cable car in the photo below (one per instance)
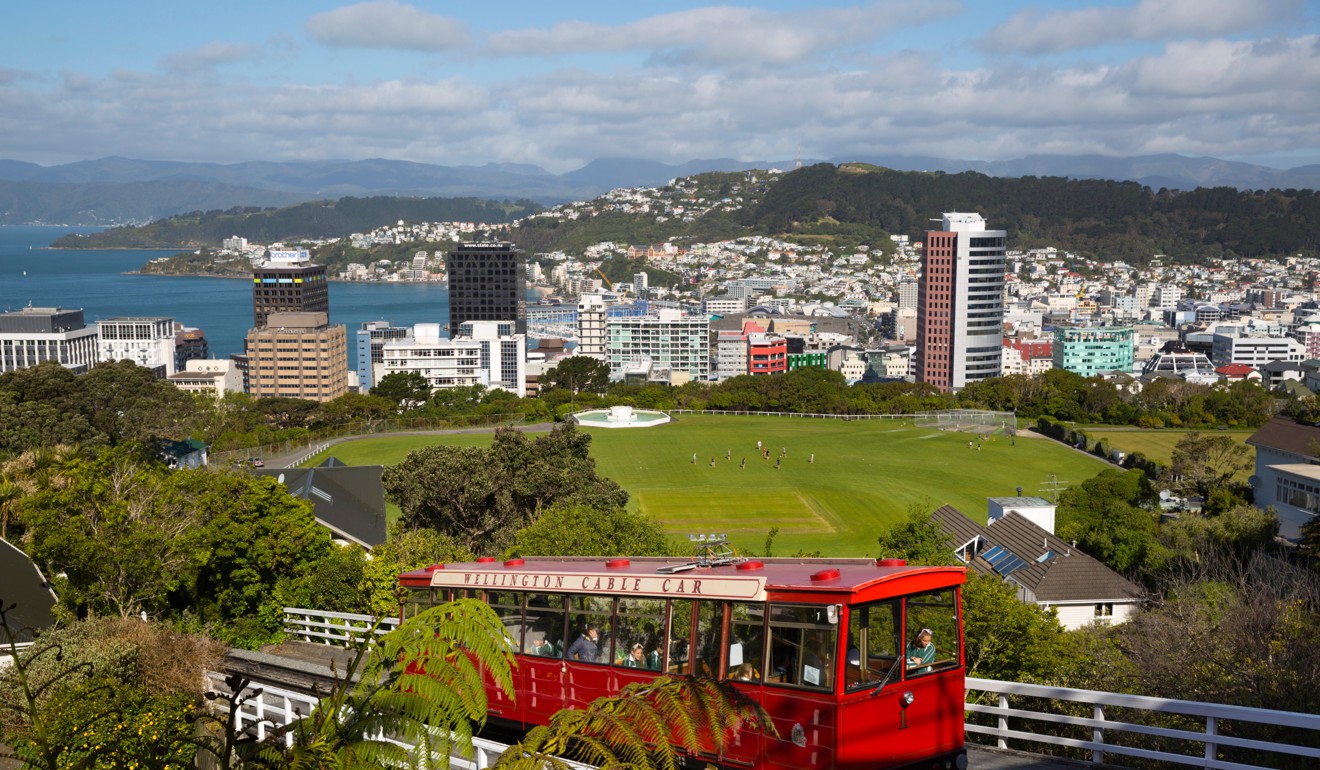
(586, 648)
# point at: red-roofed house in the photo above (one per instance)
(1029, 357)
(1235, 372)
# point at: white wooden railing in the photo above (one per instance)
(1108, 735)
(340, 629)
(264, 710)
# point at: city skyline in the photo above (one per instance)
(561, 86)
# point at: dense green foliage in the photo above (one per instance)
(578, 530)
(315, 220)
(105, 693)
(122, 535)
(482, 497)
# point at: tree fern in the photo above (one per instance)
(421, 685)
(644, 726)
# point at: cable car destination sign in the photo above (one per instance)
(624, 584)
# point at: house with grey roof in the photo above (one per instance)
(1044, 569)
(1287, 475)
(349, 500)
(23, 585)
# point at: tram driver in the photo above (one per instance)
(921, 652)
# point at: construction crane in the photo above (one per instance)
(608, 285)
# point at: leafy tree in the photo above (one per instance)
(579, 374)
(113, 547)
(1203, 463)
(1008, 638)
(405, 390)
(405, 550)
(482, 497)
(255, 535)
(917, 538)
(1112, 518)
(1237, 532)
(579, 530)
(1234, 631)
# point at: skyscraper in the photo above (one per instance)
(960, 303)
(487, 282)
(288, 286)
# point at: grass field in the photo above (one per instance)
(865, 476)
(1158, 444)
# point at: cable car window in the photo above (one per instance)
(640, 623)
(508, 605)
(802, 644)
(544, 626)
(932, 633)
(680, 636)
(746, 642)
(590, 635)
(872, 653)
(710, 627)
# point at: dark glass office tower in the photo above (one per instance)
(288, 287)
(487, 282)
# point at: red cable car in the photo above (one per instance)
(859, 662)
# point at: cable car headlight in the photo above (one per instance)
(907, 699)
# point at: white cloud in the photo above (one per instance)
(728, 34)
(208, 56)
(387, 24)
(1034, 32)
(1212, 97)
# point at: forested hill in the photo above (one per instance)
(321, 219)
(1103, 219)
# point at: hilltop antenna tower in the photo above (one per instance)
(799, 157)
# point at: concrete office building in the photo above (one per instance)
(487, 282)
(147, 342)
(298, 355)
(215, 378)
(960, 303)
(36, 334)
(591, 313)
(671, 341)
(369, 350)
(288, 286)
(485, 353)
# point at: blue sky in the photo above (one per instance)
(560, 84)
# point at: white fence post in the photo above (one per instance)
(1211, 748)
(1098, 735)
(1002, 741)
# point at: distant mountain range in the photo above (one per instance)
(124, 190)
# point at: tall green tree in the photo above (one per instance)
(1113, 517)
(1203, 463)
(482, 497)
(578, 374)
(406, 390)
(580, 530)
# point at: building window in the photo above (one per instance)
(1104, 610)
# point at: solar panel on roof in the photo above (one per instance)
(1009, 565)
(994, 553)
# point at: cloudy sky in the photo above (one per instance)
(558, 84)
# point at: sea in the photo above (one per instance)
(102, 284)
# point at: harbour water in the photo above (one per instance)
(96, 281)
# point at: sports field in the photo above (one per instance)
(865, 474)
